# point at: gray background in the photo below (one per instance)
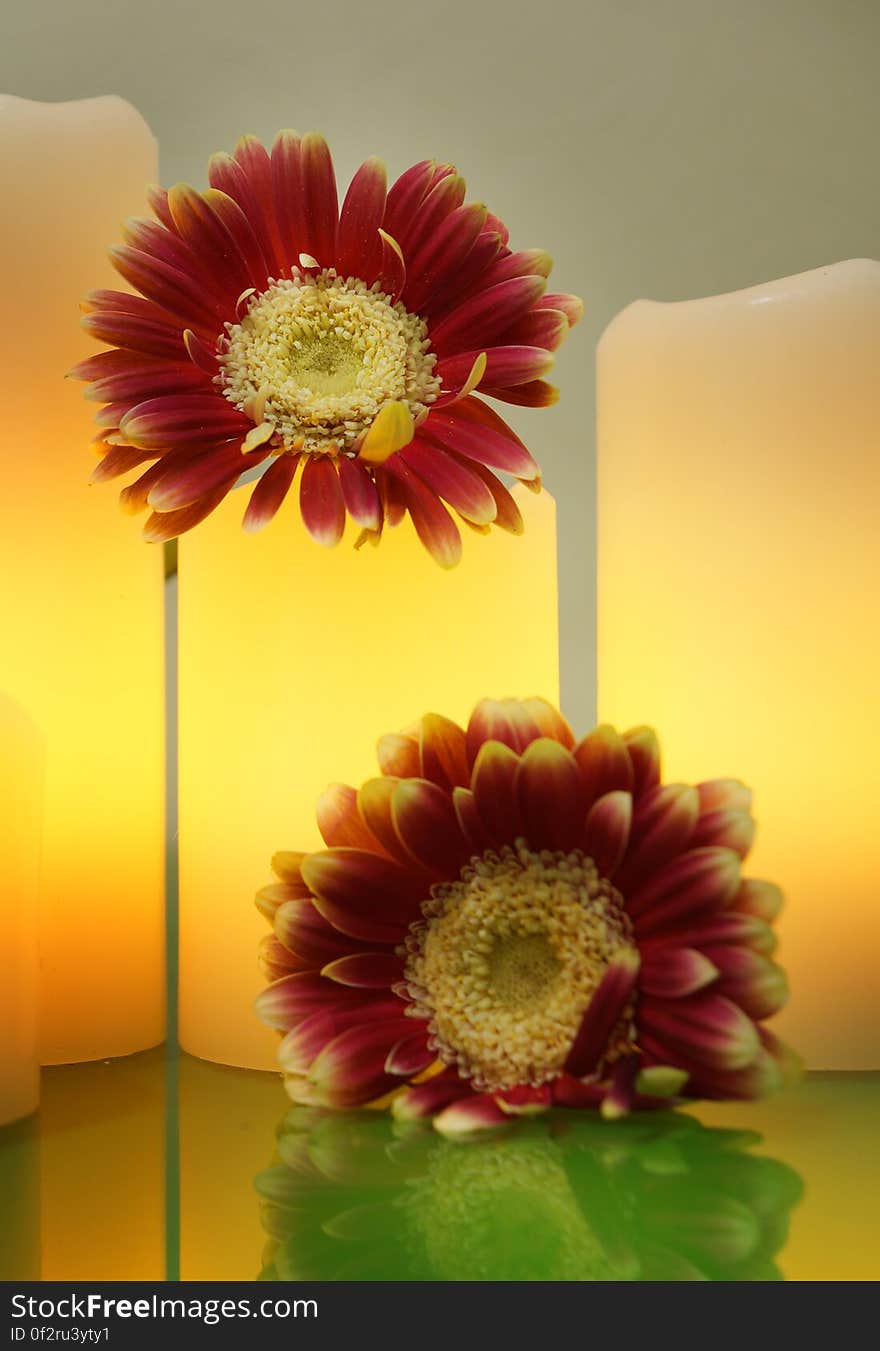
(670, 149)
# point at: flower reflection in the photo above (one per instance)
(352, 1196)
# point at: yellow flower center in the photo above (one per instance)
(507, 959)
(316, 358)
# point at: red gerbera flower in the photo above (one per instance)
(507, 919)
(348, 343)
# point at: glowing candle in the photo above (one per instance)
(20, 781)
(293, 661)
(81, 608)
(739, 576)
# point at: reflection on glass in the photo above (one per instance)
(20, 1201)
(355, 1197)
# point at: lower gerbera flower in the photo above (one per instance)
(506, 919)
(347, 345)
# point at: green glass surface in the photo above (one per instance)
(152, 1167)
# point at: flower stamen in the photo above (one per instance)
(319, 356)
(506, 961)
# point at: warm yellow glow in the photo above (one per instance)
(20, 784)
(102, 1170)
(739, 597)
(293, 660)
(81, 602)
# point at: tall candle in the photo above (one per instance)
(20, 784)
(739, 596)
(293, 661)
(81, 610)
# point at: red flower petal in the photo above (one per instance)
(411, 1055)
(358, 248)
(220, 237)
(729, 827)
(434, 526)
(700, 881)
(304, 930)
(442, 257)
(162, 526)
(450, 479)
(707, 1028)
(604, 763)
(175, 290)
(350, 1069)
(339, 819)
(757, 985)
(374, 804)
(550, 795)
(288, 195)
(664, 822)
(442, 198)
(442, 752)
(524, 1100)
(269, 493)
(533, 394)
(286, 1001)
(423, 1101)
(319, 185)
(362, 894)
(718, 793)
(366, 970)
(155, 337)
(479, 321)
(480, 1112)
(426, 824)
(762, 899)
(507, 514)
(359, 493)
(465, 429)
(246, 177)
(469, 820)
(398, 755)
(606, 831)
(524, 263)
(571, 306)
(494, 788)
(405, 195)
(538, 328)
(701, 931)
(643, 749)
(321, 501)
(181, 485)
(119, 460)
(505, 366)
(506, 720)
(603, 1012)
(182, 419)
(673, 973)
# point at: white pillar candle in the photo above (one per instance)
(20, 785)
(81, 603)
(739, 597)
(294, 660)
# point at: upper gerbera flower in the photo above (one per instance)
(507, 919)
(348, 343)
